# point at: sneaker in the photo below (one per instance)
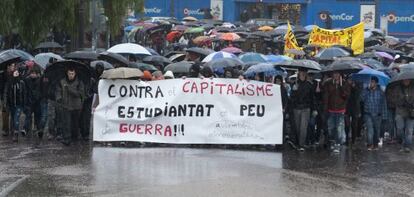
(370, 147)
(40, 134)
(381, 142)
(407, 150)
(23, 132)
(336, 150)
(375, 148)
(301, 149)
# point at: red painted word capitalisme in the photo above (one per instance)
(211, 87)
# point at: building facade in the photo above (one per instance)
(394, 16)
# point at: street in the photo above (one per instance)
(47, 168)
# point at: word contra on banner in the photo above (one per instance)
(155, 112)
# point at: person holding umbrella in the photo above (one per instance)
(404, 102)
(336, 93)
(374, 108)
(302, 103)
(70, 94)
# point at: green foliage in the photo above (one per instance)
(33, 19)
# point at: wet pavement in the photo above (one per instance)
(50, 169)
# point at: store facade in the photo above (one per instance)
(397, 15)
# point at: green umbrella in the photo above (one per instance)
(194, 30)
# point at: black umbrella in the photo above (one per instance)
(152, 51)
(24, 56)
(409, 75)
(179, 67)
(410, 41)
(7, 59)
(143, 66)
(106, 65)
(48, 45)
(114, 59)
(82, 55)
(374, 64)
(331, 53)
(301, 64)
(344, 67)
(201, 51)
(171, 53)
(372, 41)
(384, 49)
(57, 71)
(157, 59)
(218, 65)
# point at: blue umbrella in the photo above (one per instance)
(366, 74)
(218, 55)
(268, 69)
(277, 58)
(129, 28)
(253, 57)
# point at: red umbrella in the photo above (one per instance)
(229, 36)
(233, 50)
(174, 35)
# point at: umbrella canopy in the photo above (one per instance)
(374, 64)
(152, 51)
(391, 40)
(181, 28)
(201, 51)
(229, 36)
(344, 67)
(409, 75)
(122, 73)
(173, 36)
(233, 50)
(157, 59)
(218, 55)
(218, 65)
(194, 30)
(265, 28)
(385, 49)
(331, 53)
(179, 67)
(199, 40)
(301, 64)
(114, 59)
(366, 74)
(48, 45)
(105, 64)
(42, 59)
(143, 66)
(189, 18)
(24, 56)
(277, 58)
(253, 57)
(82, 55)
(129, 48)
(177, 57)
(384, 55)
(266, 68)
(57, 71)
(406, 67)
(410, 41)
(6, 59)
(295, 52)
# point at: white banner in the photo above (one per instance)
(189, 111)
(368, 16)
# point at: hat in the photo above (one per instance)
(147, 75)
(169, 75)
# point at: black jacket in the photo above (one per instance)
(302, 98)
(15, 93)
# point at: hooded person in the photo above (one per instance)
(16, 97)
(169, 75)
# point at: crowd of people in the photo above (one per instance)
(322, 107)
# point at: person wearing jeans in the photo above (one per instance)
(335, 96)
(403, 99)
(374, 108)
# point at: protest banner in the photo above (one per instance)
(290, 41)
(189, 111)
(352, 37)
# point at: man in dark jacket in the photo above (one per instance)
(335, 98)
(302, 104)
(33, 105)
(403, 100)
(353, 112)
(70, 95)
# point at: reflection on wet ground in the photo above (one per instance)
(49, 169)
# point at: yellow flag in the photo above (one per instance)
(352, 37)
(290, 41)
